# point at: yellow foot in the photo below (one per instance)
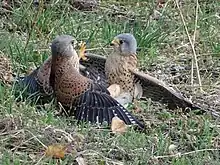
(82, 51)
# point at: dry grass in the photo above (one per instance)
(166, 52)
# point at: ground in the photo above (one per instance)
(170, 35)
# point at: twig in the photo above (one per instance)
(9, 11)
(35, 137)
(38, 162)
(216, 15)
(34, 23)
(17, 146)
(183, 154)
(194, 39)
(191, 43)
(95, 153)
(66, 134)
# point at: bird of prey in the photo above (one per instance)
(112, 69)
(80, 96)
(36, 86)
(120, 67)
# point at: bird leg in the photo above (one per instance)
(82, 51)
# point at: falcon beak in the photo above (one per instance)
(115, 42)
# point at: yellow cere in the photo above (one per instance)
(116, 41)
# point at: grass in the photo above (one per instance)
(164, 50)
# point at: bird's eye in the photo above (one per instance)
(72, 42)
(121, 41)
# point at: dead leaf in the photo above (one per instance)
(56, 151)
(114, 90)
(118, 126)
(81, 161)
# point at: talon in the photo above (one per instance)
(82, 51)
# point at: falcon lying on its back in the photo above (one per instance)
(121, 68)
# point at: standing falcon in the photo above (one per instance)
(80, 96)
(120, 67)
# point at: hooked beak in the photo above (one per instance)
(115, 42)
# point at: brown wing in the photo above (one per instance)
(36, 84)
(94, 68)
(158, 91)
(43, 77)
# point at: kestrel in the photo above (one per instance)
(120, 67)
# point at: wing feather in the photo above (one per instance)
(159, 91)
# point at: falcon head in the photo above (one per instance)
(125, 43)
(64, 45)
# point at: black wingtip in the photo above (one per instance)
(128, 118)
(97, 106)
(88, 116)
(202, 110)
(28, 82)
(89, 112)
(26, 87)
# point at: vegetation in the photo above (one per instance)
(167, 44)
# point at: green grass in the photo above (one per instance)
(25, 37)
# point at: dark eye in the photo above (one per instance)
(121, 41)
(72, 42)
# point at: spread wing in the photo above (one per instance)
(94, 68)
(158, 91)
(36, 84)
(97, 106)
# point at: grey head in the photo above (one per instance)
(63, 45)
(125, 43)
